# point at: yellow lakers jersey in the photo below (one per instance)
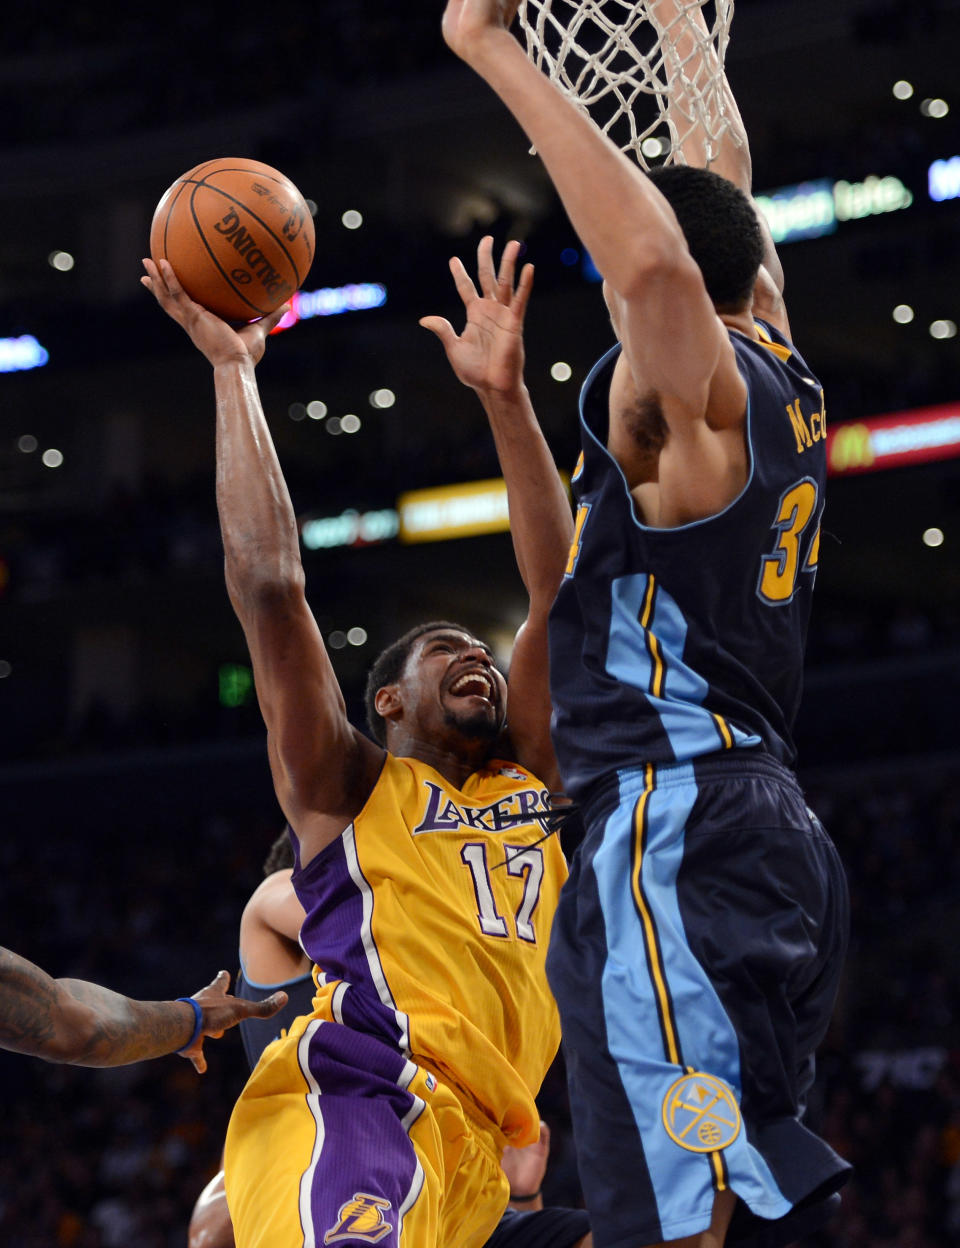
(428, 921)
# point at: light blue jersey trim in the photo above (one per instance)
(682, 1180)
(690, 728)
(283, 983)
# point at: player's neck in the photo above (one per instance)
(743, 322)
(455, 762)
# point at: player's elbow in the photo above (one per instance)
(658, 267)
(258, 589)
(76, 1039)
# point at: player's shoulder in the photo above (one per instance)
(279, 883)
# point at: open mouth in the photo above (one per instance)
(475, 684)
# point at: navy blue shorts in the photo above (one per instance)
(695, 958)
(540, 1228)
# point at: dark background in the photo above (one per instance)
(136, 806)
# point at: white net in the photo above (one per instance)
(649, 72)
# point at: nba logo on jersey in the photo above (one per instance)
(512, 773)
(360, 1219)
(431, 1082)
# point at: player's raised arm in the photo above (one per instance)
(665, 319)
(323, 768)
(85, 1024)
(686, 44)
(488, 357)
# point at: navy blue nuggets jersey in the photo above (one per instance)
(669, 644)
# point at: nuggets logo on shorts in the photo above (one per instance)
(701, 1114)
(360, 1218)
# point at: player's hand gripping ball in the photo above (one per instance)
(238, 234)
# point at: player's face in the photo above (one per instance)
(451, 681)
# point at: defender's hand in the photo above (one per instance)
(218, 341)
(220, 1012)
(488, 356)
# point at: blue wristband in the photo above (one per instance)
(197, 1025)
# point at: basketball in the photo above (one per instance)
(238, 234)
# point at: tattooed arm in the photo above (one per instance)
(71, 1020)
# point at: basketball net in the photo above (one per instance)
(648, 72)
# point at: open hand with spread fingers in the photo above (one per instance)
(488, 356)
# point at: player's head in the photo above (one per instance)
(721, 228)
(280, 854)
(440, 675)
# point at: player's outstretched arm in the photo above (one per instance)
(729, 155)
(488, 356)
(85, 1024)
(323, 768)
(667, 324)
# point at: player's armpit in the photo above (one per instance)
(673, 341)
(275, 905)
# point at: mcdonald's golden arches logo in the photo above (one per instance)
(850, 448)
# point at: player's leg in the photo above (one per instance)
(321, 1139)
(715, 1235)
(661, 960)
(763, 903)
(640, 1185)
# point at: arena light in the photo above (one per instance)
(943, 179)
(333, 301)
(470, 509)
(873, 197)
(19, 354)
(935, 108)
(235, 684)
(813, 209)
(350, 528)
(803, 211)
(450, 511)
(913, 437)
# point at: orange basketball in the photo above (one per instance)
(238, 234)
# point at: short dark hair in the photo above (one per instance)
(720, 225)
(280, 855)
(388, 666)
